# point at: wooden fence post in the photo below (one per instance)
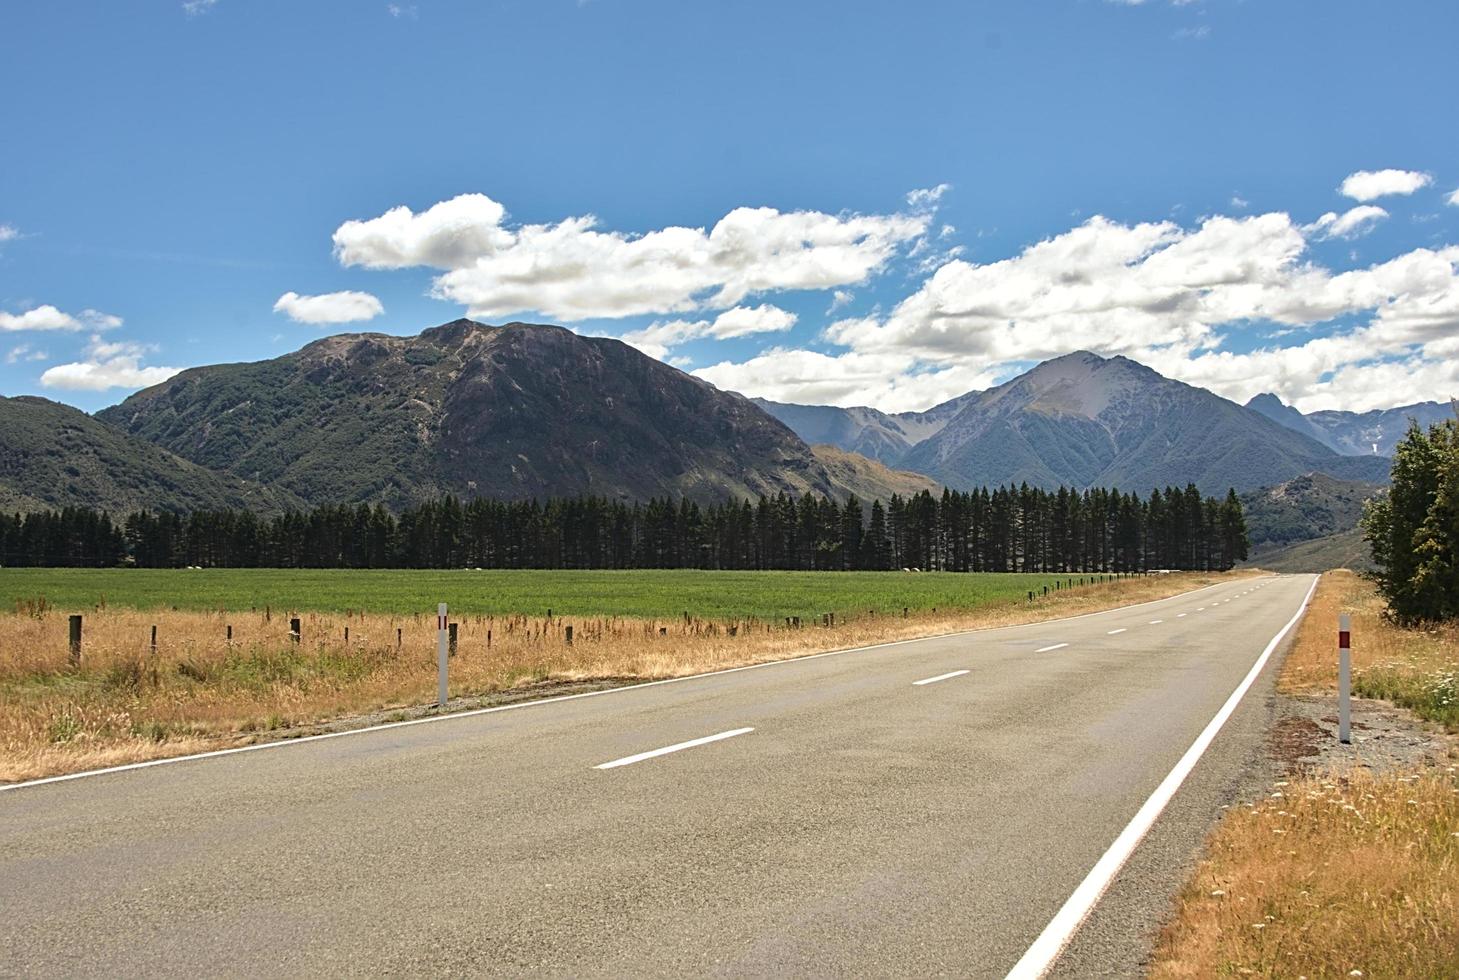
(295, 631)
(76, 641)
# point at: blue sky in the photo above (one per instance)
(884, 203)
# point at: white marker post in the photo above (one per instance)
(441, 654)
(1344, 679)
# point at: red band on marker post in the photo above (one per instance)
(1344, 639)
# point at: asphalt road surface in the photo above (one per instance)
(919, 808)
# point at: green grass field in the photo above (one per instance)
(708, 595)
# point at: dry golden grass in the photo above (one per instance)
(1414, 668)
(1324, 878)
(125, 703)
(1335, 873)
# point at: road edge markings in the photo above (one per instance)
(939, 677)
(539, 702)
(1050, 944)
(1056, 646)
(629, 760)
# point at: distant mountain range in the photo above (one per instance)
(1373, 433)
(1082, 420)
(527, 410)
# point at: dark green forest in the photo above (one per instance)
(1009, 529)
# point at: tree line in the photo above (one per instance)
(1007, 529)
(1413, 529)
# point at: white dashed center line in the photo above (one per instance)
(1113, 632)
(1056, 646)
(1156, 622)
(631, 759)
(939, 677)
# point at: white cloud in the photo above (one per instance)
(47, 317)
(1353, 223)
(342, 307)
(925, 198)
(25, 352)
(890, 381)
(657, 339)
(9, 233)
(1173, 297)
(107, 365)
(1453, 198)
(407, 10)
(840, 299)
(195, 7)
(1367, 185)
(573, 271)
(1193, 33)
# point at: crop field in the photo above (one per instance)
(701, 594)
(225, 666)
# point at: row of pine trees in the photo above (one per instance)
(1002, 530)
(1414, 528)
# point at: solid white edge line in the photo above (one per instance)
(1061, 929)
(939, 677)
(538, 702)
(676, 747)
(1056, 646)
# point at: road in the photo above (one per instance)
(919, 808)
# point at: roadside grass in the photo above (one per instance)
(1324, 878)
(1336, 873)
(125, 703)
(1417, 668)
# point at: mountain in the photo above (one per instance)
(868, 431)
(1310, 506)
(1308, 524)
(1283, 414)
(1374, 433)
(517, 411)
(1082, 420)
(868, 478)
(54, 456)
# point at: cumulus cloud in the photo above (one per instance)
(658, 338)
(1172, 297)
(1453, 198)
(572, 270)
(195, 7)
(8, 233)
(343, 307)
(1368, 185)
(1352, 223)
(47, 317)
(107, 365)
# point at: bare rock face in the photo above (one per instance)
(516, 411)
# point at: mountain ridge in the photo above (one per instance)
(1371, 433)
(1083, 420)
(512, 411)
